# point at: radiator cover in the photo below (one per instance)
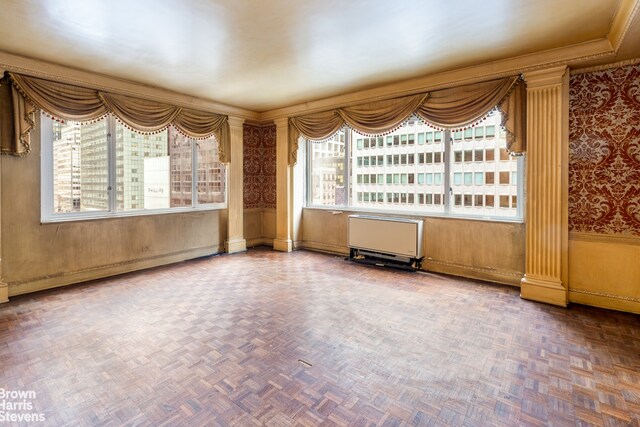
(385, 235)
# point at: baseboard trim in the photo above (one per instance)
(259, 241)
(4, 292)
(67, 278)
(324, 247)
(283, 245)
(541, 290)
(511, 278)
(604, 300)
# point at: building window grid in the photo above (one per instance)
(478, 155)
(109, 178)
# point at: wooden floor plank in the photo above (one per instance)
(306, 339)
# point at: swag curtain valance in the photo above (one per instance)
(19, 101)
(453, 108)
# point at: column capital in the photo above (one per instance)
(282, 122)
(235, 121)
(546, 77)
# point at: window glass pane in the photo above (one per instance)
(479, 178)
(211, 173)
(482, 179)
(180, 150)
(327, 164)
(80, 166)
(468, 133)
(410, 163)
(504, 177)
(142, 170)
(412, 157)
(468, 177)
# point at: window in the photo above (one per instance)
(424, 175)
(102, 168)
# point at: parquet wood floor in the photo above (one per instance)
(306, 339)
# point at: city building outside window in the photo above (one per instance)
(415, 170)
(103, 168)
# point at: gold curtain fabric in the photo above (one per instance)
(140, 114)
(71, 102)
(316, 127)
(514, 118)
(59, 99)
(14, 127)
(452, 108)
(462, 106)
(380, 117)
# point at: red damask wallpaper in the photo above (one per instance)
(259, 167)
(604, 152)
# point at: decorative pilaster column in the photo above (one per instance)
(546, 272)
(4, 288)
(283, 241)
(235, 227)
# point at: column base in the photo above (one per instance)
(283, 245)
(236, 245)
(4, 292)
(542, 290)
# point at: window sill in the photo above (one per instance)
(413, 215)
(91, 216)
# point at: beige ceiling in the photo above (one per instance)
(267, 54)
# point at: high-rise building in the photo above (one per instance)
(66, 167)
(405, 170)
(131, 149)
(327, 180)
(94, 155)
(211, 174)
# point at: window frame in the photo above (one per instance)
(47, 214)
(448, 202)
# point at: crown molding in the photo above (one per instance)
(622, 20)
(47, 70)
(603, 67)
(563, 56)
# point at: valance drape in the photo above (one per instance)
(17, 118)
(72, 102)
(452, 108)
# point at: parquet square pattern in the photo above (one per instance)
(308, 339)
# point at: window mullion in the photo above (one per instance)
(194, 173)
(111, 162)
(448, 142)
(347, 167)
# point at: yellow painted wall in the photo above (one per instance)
(38, 256)
(486, 250)
(259, 226)
(605, 272)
